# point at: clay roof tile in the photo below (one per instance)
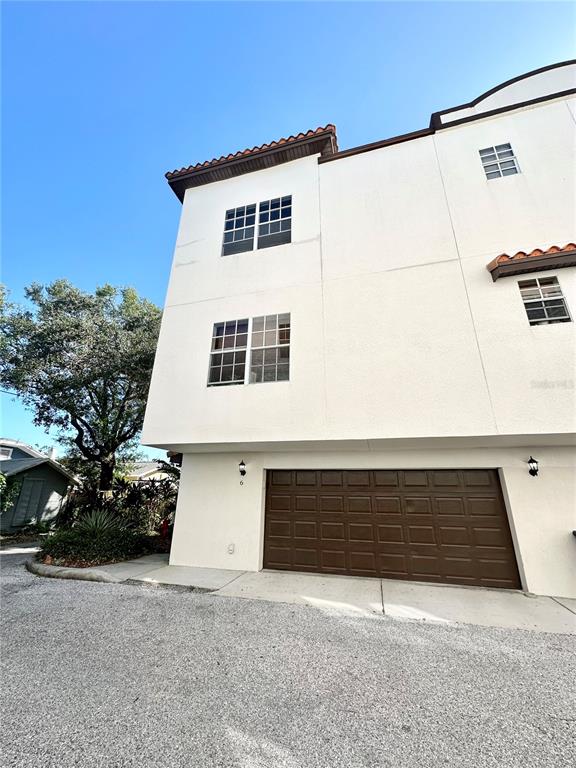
(329, 128)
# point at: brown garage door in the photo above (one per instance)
(424, 525)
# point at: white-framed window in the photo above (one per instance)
(543, 301)
(269, 350)
(228, 353)
(275, 222)
(499, 161)
(274, 225)
(5, 453)
(239, 226)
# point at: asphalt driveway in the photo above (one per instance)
(121, 675)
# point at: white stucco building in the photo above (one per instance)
(384, 337)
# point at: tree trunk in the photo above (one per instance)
(106, 473)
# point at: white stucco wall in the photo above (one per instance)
(397, 327)
(398, 332)
(534, 87)
(215, 511)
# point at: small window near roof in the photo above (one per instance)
(5, 453)
(543, 301)
(499, 161)
(228, 355)
(275, 222)
(239, 227)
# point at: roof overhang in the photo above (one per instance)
(522, 264)
(320, 142)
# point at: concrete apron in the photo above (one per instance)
(345, 595)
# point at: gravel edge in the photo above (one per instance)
(59, 572)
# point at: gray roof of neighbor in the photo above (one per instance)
(10, 467)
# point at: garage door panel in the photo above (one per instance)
(360, 532)
(363, 562)
(279, 528)
(415, 478)
(279, 478)
(331, 504)
(421, 534)
(334, 559)
(388, 505)
(305, 529)
(305, 478)
(393, 566)
(418, 505)
(332, 531)
(444, 478)
(425, 565)
(277, 503)
(279, 556)
(450, 506)
(483, 506)
(389, 534)
(331, 479)
(359, 505)
(456, 535)
(358, 478)
(490, 537)
(430, 525)
(474, 478)
(386, 479)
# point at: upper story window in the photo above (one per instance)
(239, 229)
(275, 222)
(544, 301)
(270, 357)
(499, 161)
(228, 355)
(5, 453)
(269, 353)
(274, 225)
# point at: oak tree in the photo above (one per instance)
(82, 362)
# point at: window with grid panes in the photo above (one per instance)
(228, 354)
(543, 301)
(270, 348)
(499, 161)
(275, 222)
(239, 227)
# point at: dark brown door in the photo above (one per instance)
(445, 526)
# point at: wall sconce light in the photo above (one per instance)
(533, 466)
(242, 468)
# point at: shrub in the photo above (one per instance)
(81, 547)
(98, 520)
(140, 506)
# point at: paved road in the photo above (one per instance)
(117, 675)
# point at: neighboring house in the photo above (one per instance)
(40, 485)
(345, 325)
(145, 470)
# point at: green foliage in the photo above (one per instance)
(9, 491)
(80, 547)
(98, 520)
(82, 363)
(139, 506)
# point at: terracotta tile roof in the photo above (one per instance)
(256, 150)
(505, 258)
(538, 259)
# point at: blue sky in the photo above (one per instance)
(100, 99)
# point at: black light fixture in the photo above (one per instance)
(242, 468)
(533, 466)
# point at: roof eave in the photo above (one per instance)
(531, 264)
(319, 144)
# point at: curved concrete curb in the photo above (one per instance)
(59, 572)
